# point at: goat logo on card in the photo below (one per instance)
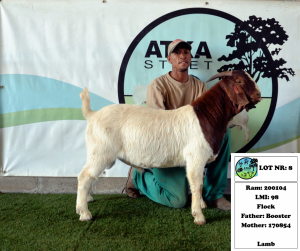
(220, 42)
(246, 168)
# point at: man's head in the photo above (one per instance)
(179, 55)
(172, 46)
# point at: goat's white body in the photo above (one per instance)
(145, 137)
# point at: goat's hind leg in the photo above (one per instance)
(89, 173)
(85, 180)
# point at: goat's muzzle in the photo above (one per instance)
(254, 99)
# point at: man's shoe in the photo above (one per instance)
(130, 190)
(221, 204)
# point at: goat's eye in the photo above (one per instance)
(239, 81)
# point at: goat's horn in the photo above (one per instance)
(221, 74)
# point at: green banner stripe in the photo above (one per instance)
(39, 115)
(54, 114)
(265, 148)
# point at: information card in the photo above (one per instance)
(264, 197)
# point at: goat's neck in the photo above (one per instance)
(216, 106)
(214, 110)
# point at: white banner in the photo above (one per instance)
(51, 50)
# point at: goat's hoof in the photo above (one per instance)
(87, 216)
(85, 219)
(200, 222)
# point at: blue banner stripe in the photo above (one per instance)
(28, 92)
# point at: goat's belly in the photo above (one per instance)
(151, 161)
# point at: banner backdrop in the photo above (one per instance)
(51, 50)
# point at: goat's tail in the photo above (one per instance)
(86, 106)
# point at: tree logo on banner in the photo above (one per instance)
(220, 42)
(248, 51)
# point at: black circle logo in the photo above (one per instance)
(214, 36)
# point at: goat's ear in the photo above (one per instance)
(234, 91)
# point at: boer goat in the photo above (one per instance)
(143, 137)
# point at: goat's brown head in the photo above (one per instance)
(240, 88)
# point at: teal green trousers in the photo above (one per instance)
(169, 186)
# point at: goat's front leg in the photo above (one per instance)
(194, 172)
